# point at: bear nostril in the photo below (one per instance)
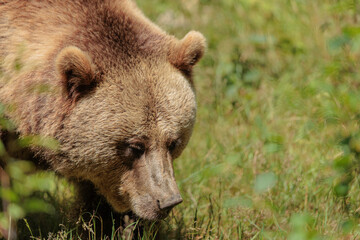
(170, 202)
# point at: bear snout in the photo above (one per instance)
(170, 202)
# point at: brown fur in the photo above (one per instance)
(119, 97)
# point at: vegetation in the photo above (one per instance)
(276, 149)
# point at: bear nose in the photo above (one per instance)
(170, 202)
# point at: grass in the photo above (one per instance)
(278, 91)
(275, 150)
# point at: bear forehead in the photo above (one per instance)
(147, 99)
(152, 83)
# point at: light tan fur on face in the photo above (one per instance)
(116, 82)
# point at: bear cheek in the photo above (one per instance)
(119, 204)
(115, 193)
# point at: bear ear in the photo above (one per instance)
(187, 52)
(76, 71)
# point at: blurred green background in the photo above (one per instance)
(276, 149)
(274, 154)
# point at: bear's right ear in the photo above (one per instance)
(77, 72)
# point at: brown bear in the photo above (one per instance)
(119, 95)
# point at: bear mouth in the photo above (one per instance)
(143, 207)
(149, 210)
(152, 214)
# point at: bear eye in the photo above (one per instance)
(172, 145)
(137, 149)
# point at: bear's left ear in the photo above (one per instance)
(187, 52)
(77, 72)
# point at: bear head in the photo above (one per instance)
(129, 116)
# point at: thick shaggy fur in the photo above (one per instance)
(118, 94)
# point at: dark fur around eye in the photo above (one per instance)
(137, 149)
(130, 150)
(172, 145)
